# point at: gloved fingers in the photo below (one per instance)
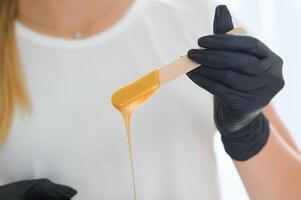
(275, 61)
(64, 191)
(222, 20)
(237, 61)
(45, 189)
(240, 43)
(210, 85)
(232, 79)
(235, 99)
(17, 189)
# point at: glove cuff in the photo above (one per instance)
(243, 144)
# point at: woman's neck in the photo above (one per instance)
(71, 18)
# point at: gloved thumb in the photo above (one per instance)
(222, 20)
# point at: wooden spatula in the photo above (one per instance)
(138, 91)
(183, 64)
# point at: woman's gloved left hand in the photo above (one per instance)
(244, 75)
(37, 189)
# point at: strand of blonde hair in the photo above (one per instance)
(12, 87)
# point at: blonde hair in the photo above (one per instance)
(12, 87)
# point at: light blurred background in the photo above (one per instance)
(276, 23)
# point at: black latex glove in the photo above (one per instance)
(39, 189)
(244, 75)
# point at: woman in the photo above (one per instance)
(74, 54)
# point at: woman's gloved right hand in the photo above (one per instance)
(244, 75)
(37, 189)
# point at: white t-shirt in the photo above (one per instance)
(74, 136)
